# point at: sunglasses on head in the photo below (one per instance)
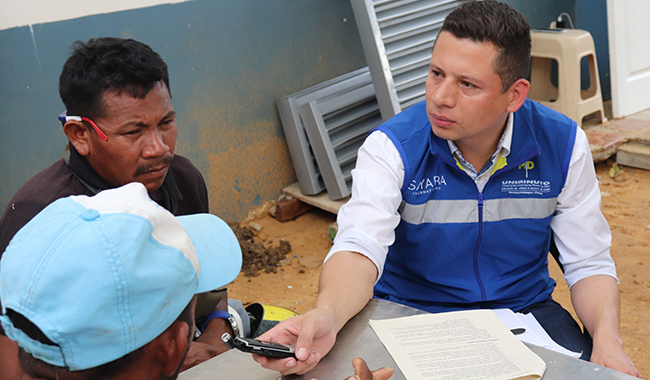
(64, 118)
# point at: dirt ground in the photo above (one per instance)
(625, 204)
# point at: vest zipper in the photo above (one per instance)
(478, 242)
(480, 221)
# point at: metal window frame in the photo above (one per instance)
(310, 178)
(336, 127)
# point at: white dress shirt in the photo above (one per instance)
(368, 220)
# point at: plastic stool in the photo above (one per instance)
(567, 47)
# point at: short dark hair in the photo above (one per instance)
(108, 64)
(105, 371)
(498, 23)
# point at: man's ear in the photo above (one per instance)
(171, 347)
(78, 135)
(518, 93)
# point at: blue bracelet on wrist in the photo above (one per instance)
(214, 314)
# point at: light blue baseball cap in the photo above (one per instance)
(103, 276)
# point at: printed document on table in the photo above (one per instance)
(462, 345)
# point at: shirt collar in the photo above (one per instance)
(503, 147)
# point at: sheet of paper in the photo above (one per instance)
(535, 333)
(534, 326)
(471, 344)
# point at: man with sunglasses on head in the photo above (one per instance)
(121, 128)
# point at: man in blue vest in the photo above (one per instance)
(455, 201)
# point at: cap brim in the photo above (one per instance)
(217, 249)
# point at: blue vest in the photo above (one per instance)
(458, 248)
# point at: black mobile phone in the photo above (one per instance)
(259, 347)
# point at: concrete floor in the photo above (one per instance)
(625, 139)
(643, 115)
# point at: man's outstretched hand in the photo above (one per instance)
(362, 372)
(313, 335)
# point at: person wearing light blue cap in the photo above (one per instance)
(121, 127)
(105, 286)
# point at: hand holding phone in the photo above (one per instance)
(259, 347)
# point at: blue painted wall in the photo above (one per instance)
(540, 13)
(591, 15)
(228, 60)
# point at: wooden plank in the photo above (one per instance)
(322, 201)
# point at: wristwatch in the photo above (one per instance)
(235, 322)
(232, 316)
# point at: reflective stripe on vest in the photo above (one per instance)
(466, 210)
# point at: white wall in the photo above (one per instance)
(15, 13)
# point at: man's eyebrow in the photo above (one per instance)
(464, 78)
(139, 124)
(129, 125)
(469, 79)
(435, 67)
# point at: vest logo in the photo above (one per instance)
(526, 186)
(528, 165)
(427, 185)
